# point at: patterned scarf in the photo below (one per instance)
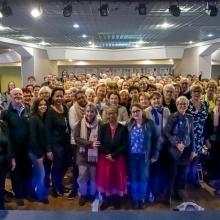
(155, 112)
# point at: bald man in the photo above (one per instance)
(17, 116)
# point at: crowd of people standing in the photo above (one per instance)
(122, 137)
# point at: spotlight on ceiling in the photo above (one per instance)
(175, 10)
(5, 10)
(142, 9)
(36, 11)
(67, 10)
(104, 10)
(211, 10)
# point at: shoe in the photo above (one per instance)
(72, 195)
(30, 198)
(44, 201)
(135, 205)
(141, 205)
(56, 194)
(82, 201)
(20, 202)
(104, 206)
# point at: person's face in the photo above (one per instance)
(101, 93)
(177, 91)
(30, 88)
(49, 77)
(211, 90)
(144, 101)
(17, 97)
(113, 99)
(81, 99)
(168, 93)
(125, 85)
(78, 85)
(27, 98)
(90, 115)
(93, 83)
(42, 107)
(196, 94)
(136, 113)
(184, 85)
(44, 94)
(36, 91)
(142, 85)
(112, 116)
(90, 97)
(71, 76)
(156, 102)
(68, 96)
(182, 106)
(31, 81)
(58, 97)
(124, 97)
(11, 86)
(134, 94)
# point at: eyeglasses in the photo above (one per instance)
(137, 111)
(182, 104)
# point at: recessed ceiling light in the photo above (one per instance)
(136, 45)
(210, 35)
(84, 36)
(76, 26)
(1, 15)
(90, 42)
(2, 28)
(190, 42)
(93, 46)
(27, 37)
(141, 42)
(36, 12)
(70, 60)
(171, 60)
(43, 43)
(165, 25)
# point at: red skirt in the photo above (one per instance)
(111, 176)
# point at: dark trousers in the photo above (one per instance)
(75, 170)
(2, 183)
(47, 168)
(139, 173)
(176, 177)
(21, 175)
(59, 167)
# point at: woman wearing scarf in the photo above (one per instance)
(159, 115)
(179, 136)
(143, 150)
(111, 170)
(86, 134)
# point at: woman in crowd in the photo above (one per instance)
(199, 111)
(114, 100)
(111, 169)
(100, 101)
(6, 155)
(45, 92)
(90, 95)
(179, 137)
(143, 150)
(7, 98)
(86, 135)
(144, 99)
(168, 97)
(37, 149)
(159, 115)
(177, 91)
(58, 139)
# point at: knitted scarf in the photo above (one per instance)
(92, 152)
(79, 110)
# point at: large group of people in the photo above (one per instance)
(136, 137)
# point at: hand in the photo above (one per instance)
(153, 160)
(96, 144)
(193, 155)
(40, 160)
(109, 157)
(50, 155)
(207, 143)
(13, 164)
(180, 147)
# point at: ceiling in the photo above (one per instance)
(123, 28)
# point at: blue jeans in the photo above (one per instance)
(37, 180)
(139, 173)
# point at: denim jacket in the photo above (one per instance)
(151, 138)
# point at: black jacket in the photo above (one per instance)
(37, 139)
(116, 146)
(18, 127)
